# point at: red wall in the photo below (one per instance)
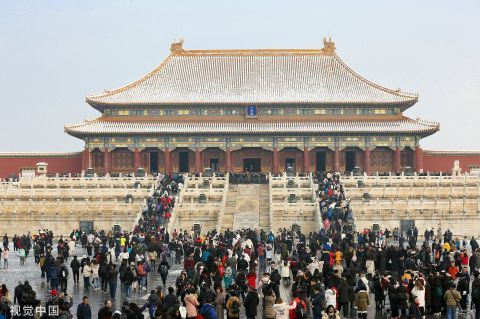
(437, 161)
(62, 163)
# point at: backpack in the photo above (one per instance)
(300, 312)
(235, 309)
(163, 270)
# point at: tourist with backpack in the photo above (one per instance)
(233, 306)
(300, 310)
(163, 269)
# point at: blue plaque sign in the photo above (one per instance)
(251, 111)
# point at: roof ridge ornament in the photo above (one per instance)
(328, 46)
(177, 46)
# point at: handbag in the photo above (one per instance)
(458, 302)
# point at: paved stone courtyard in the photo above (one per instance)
(31, 272)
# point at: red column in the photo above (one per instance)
(228, 160)
(418, 159)
(106, 161)
(275, 160)
(306, 166)
(397, 166)
(136, 159)
(168, 161)
(336, 159)
(85, 159)
(366, 161)
(198, 160)
(90, 160)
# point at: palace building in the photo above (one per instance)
(255, 110)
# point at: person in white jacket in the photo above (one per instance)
(87, 273)
(95, 277)
(418, 292)
(330, 298)
(282, 309)
(285, 271)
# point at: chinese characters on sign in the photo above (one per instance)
(28, 311)
(251, 111)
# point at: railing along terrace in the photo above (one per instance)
(449, 205)
(415, 180)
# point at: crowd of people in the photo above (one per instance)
(336, 272)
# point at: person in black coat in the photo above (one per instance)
(83, 309)
(318, 302)
(401, 298)
(251, 303)
(171, 299)
(463, 287)
(75, 265)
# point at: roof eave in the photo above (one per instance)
(101, 106)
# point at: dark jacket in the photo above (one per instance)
(401, 297)
(75, 265)
(112, 275)
(105, 313)
(171, 300)
(318, 303)
(251, 303)
(84, 311)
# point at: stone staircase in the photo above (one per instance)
(264, 207)
(229, 212)
(247, 207)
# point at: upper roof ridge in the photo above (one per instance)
(292, 76)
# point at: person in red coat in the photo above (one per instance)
(252, 279)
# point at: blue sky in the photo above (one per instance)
(54, 53)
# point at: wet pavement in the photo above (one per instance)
(32, 273)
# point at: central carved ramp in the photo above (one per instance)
(247, 207)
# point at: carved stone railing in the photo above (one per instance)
(414, 181)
